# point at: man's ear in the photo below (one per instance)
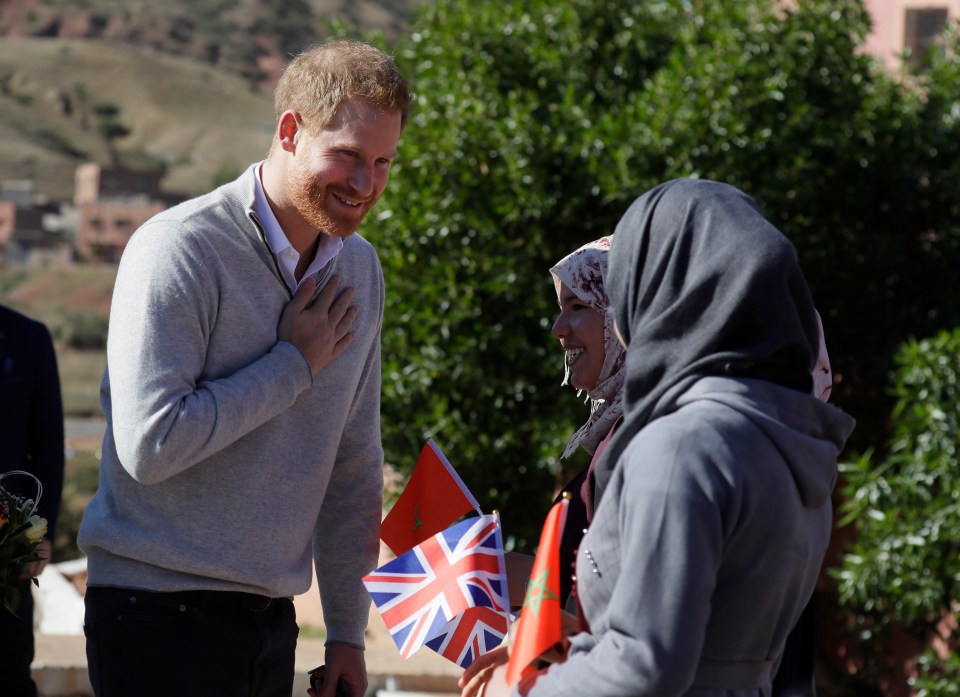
(288, 128)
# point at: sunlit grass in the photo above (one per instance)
(80, 375)
(54, 296)
(309, 631)
(79, 485)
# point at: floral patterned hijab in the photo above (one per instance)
(822, 375)
(584, 272)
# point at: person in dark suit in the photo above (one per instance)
(31, 439)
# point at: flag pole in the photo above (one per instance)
(503, 568)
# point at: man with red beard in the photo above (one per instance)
(242, 397)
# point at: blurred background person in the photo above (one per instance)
(31, 439)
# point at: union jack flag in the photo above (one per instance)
(422, 590)
(471, 633)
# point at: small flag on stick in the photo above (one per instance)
(538, 627)
(433, 499)
(421, 591)
(470, 634)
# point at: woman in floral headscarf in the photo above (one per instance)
(580, 282)
(594, 362)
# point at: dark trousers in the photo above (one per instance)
(16, 647)
(189, 644)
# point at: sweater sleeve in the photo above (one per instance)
(347, 535)
(670, 531)
(166, 415)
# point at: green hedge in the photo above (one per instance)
(537, 123)
(937, 677)
(902, 570)
(86, 331)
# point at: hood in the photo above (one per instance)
(702, 285)
(810, 434)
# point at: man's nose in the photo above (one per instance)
(361, 179)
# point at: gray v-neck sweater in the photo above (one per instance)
(225, 465)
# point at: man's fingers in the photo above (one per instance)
(342, 345)
(333, 308)
(471, 671)
(302, 297)
(338, 311)
(326, 296)
(328, 689)
(344, 323)
(319, 328)
(341, 315)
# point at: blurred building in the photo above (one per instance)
(104, 227)
(32, 233)
(908, 28)
(94, 182)
(111, 203)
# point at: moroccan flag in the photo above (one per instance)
(420, 592)
(433, 499)
(538, 627)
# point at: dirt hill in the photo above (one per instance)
(248, 37)
(181, 86)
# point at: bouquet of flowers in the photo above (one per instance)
(21, 530)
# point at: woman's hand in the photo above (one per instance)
(486, 676)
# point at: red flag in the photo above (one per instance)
(433, 499)
(538, 627)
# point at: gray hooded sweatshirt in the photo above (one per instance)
(706, 546)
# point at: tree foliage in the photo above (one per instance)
(537, 123)
(902, 571)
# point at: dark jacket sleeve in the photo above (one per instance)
(45, 429)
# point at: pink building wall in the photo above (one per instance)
(886, 41)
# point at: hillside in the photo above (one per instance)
(69, 300)
(181, 114)
(247, 37)
(182, 86)
(51, 293)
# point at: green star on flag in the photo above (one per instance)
(538, 631)
(416, 517)
(432, 500)
(538, 591)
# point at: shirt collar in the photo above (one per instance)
(277, 240)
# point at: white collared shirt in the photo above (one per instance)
(287, 257)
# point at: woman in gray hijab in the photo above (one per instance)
(713, 498)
